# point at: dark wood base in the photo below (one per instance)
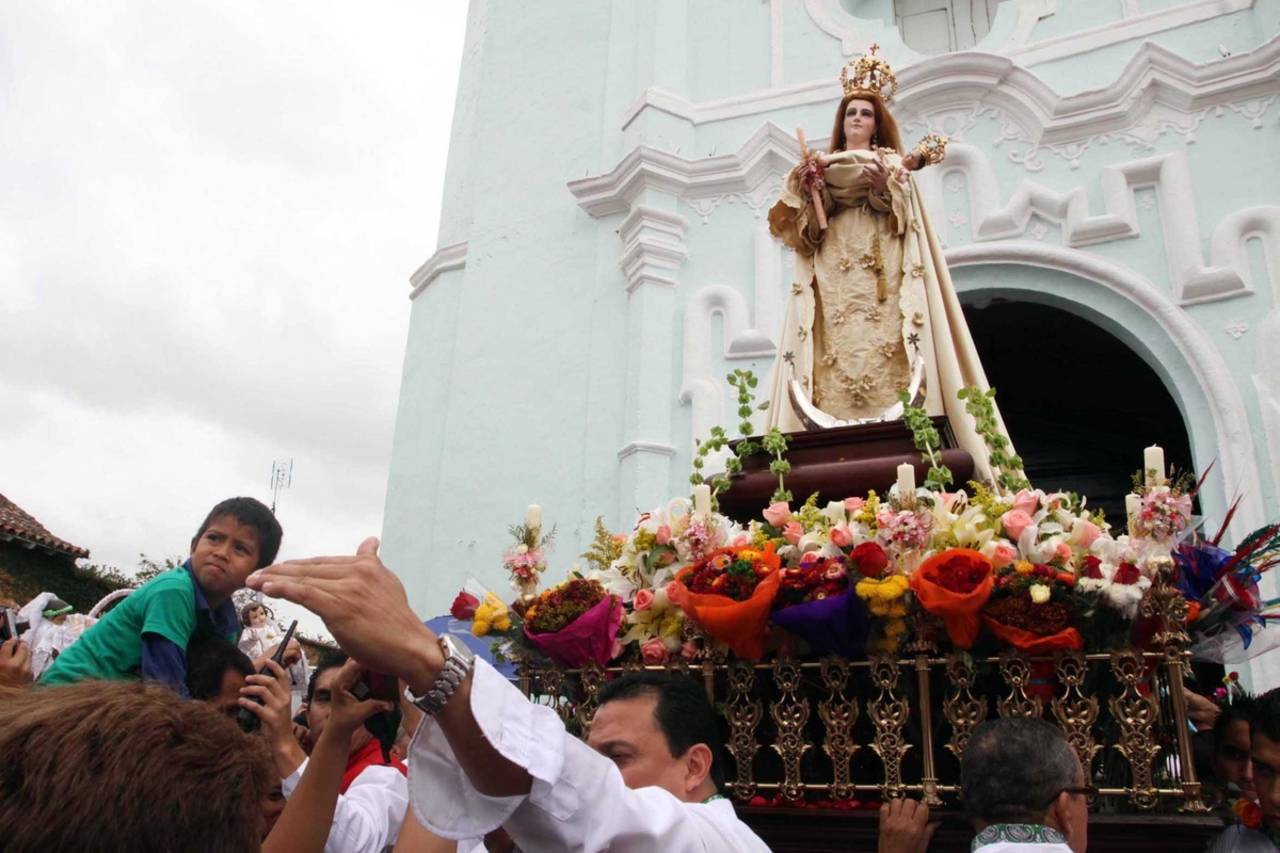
(839, 463)
(812, 831)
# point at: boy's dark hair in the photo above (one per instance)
(1265, 719)
(1241, 708)
(250, 512)
(329, 659)
(208, 659)
(105, 765)
(683, 713)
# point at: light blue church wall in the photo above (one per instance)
(603, 259)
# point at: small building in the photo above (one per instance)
(33, 560)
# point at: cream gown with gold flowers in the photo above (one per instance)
(871, 296)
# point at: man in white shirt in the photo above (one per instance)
(1024, 789)
(491, 759)
(1264, 752)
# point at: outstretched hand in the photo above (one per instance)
(346, 712)
(364, 606)
(905, 827)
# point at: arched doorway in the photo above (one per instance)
(1080, 405)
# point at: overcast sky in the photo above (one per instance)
(209, 214)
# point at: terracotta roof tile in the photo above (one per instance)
(17, 523)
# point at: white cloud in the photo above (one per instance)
(209, 217)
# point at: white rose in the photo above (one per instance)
(1040, 593)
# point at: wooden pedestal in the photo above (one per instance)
(839, 463)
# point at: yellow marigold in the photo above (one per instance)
(897, 608)
(895, 628)
(480, 627)
(502, 623)
(878, 607)
(1022, 567)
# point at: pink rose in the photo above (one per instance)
(1083, 533)
(643, 600)
(664, 534)
(1003, 555)
(1015, 521)
(854, 504)
(793, 531)
(740, 542)
(777, 514)
(669, 588)
(1026, 500)
(841, 536)
(653, 651)
(689, 650)
(1063, 552)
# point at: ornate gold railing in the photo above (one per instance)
(896, 726)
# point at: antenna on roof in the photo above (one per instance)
(281, 479)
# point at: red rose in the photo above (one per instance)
(869, 559)
(1127, 574)
(464, 606)
(1091, 568)
(1045, 571)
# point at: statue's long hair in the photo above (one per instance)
(886, 135)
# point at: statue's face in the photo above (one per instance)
(859, 124)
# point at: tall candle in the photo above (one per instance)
(906, 481)
(702, 500)
(1153, 465)
(533, 519)
(1132, 506)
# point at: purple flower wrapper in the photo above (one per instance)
(835, 625)
(585, 639)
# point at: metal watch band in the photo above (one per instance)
(458, 663)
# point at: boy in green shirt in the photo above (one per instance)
(146, 635)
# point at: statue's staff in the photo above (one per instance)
(813, 177)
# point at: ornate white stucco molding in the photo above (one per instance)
(1154, 76)
(446, 258)
(652, 246)
(769, 152)
(1226, 275)
(1233, 440)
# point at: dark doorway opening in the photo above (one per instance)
(1079, 404)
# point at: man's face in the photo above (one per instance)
(272, 806)
(226, 700)
(223, 556)
(1076, 821)
(319, 707)
(626, 732)
(1231, 756)
(1266, 778)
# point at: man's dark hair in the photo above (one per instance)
(329, 659)
(1013, 768)
(208, 659)
(105, 765)
(1241, 708)
(1265, 719)
(251, 513)
(683, 713)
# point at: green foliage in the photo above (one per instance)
(774, 443)
(928, 442)
(1006, 464)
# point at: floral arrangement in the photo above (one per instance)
(986, 567)
(525, 561)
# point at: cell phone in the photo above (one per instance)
(11, 624)
(246, 719)
(384, 725)
(301, 720)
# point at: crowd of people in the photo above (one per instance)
(155, 731)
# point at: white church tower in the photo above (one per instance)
(1112, 186)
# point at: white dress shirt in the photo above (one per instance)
(578, 801)
(368, 816)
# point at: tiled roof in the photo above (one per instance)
(15, 522)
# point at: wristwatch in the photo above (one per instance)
(459, 660)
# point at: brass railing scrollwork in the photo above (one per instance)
(790, 714)
(838, 716)
(1075, 712)
(592, 675)
(1016, 670)
(889, 715)
(1135, 714)
(962, 710)
(743, 714)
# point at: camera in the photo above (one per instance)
(11, 624)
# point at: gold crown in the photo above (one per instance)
(869, 74)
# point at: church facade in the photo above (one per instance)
(604, 259)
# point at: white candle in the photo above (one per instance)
(906, 481)
(1132, 505)
(702, 500)
(1153, 465)
(533, 519)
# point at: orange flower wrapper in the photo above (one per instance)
(738, 624)
(1033, 643)
(958, 610)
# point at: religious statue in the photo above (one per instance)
(872, 312)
